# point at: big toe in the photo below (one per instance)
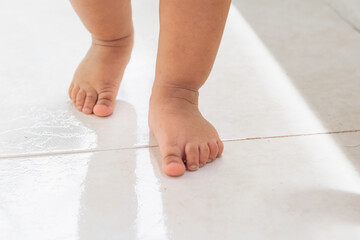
(105, 104)
(102, 110)
(173, 166)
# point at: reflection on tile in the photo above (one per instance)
(40, 197)
(263, 189)
(108, 202)
(82, 196)
(150, 220)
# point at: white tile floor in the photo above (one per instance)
(348, 10)
(286, 77)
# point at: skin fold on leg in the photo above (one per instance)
(97, 79)
(190, 34)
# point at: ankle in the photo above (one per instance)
(167, 92)
(117, 50)
(125, 41)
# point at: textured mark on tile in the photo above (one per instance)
(39, 128)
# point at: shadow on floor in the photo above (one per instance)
(320, 53)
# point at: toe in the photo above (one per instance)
(90, 100)
(213, 146)
(192, 156)
(204, 154)
(221, 147)
(105, 104)
(70, 89)
(74, 93)
(80, 99)
(173, 166)
(172, 163)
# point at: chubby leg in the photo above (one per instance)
(97, 78)
(190, 34)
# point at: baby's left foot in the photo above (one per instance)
(183, 134)
(97, 78)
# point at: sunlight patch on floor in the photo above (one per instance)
(284, 94)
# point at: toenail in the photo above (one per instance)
(201, 165)
(79, 108)
(87, 110)
(209, 161)
(193, 167)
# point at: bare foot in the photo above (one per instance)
(186, 138)
(97, 79)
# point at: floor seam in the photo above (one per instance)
(340, 15)
(59, 153)
(291, 135)
(40, 154)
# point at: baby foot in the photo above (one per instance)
(186, 138)
(97, 79)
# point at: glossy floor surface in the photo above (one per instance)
(283, 94)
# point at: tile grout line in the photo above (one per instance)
(153, 146)
(42, 154)
(340, 15)
(291, 135)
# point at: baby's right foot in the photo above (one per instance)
(183, 134)
(97, 79)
